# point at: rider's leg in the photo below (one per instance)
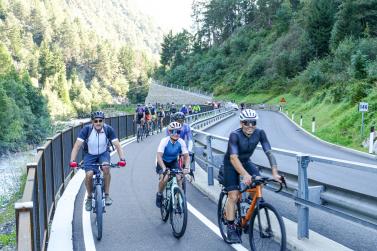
(106, 177)
(89, 182)
(231, 204)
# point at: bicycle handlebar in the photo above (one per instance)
(79, 165)
(264, 180)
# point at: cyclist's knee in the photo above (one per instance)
(233, 196)
(89, 174)
(106, 169)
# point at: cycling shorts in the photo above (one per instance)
(138, 119)
(231, 176)
(90, 160)
(170, 165)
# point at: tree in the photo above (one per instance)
(320, 18)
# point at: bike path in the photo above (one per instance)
(133, 222)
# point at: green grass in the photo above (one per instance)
(338, 123)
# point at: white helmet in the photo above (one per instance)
(174, 126)
(248, 114)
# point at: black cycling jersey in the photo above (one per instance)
(244, 146)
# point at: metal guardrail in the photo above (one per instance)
(49, 175)
(345, 203)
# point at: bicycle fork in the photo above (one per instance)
(266, 232)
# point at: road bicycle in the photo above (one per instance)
(98, 196)
(256, 217)
(159, 125)
(174, 204)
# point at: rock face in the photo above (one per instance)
(162, 94)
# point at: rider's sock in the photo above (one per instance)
(106, 194)
(230, 222)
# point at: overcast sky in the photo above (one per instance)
(169, 14)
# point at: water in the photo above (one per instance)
(12, 166)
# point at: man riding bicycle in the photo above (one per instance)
(241, 145)
(160, 116)
(96, 138)
(168, 152)
(139, 115)
(185, 134)
(148, 117)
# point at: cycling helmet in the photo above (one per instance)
(98, 114)
(248, 114)
(174, 126)
(179, 116)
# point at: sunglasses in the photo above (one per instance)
(174, 132)
(249, 122)
(98, 121)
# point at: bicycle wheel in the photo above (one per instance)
(178, 217)
(267, 230)
(165, 207)
(221, 217)
(138, 136)
(99, 211)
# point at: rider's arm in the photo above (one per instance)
(190, 144)
(271, 158)
(160, 161)
(235, 161)
(76, 149)
(119, 149)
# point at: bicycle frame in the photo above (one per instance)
(256, 193)
(172, 183)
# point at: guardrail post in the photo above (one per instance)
(313, 125)
(210, 160)
(371, 138)
(301, 120)
(302, 193)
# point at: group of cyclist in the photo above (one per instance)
(178, 141)
(149, 115)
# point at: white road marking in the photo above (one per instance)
(211, 225)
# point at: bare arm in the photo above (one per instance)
(160, 161)
(119, 149)
(234, 160)
(76, 149)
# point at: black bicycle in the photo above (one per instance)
(174, 204)
(98, 196)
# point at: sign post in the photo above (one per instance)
(282, 103)
(363, 107)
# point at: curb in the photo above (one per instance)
(370, 156)
(316, 241)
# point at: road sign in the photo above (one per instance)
(282, 100)
(363, 107)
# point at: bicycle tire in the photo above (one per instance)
(99, 211)
(178, 212)
(272, 240)
(165, 207)
(221, 217)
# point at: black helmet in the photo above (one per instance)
(98, 114)
(179, 116)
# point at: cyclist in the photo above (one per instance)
(167, 157)
(189, 109)
(97, 136)
(185, 134)
(184, 109)
(139, 115)
(173, 109)
(241, 145)
(160, 115)
(154, 116)
(148, 117)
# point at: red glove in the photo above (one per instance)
(122, 163)
(73, 164)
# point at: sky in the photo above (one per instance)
(169, 14)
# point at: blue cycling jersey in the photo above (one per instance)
(171, 150)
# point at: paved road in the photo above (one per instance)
(133, 222)
(283, 134)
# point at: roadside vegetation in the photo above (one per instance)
(321, 55)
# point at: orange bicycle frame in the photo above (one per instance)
(256, 193)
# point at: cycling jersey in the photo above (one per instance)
(160, 114)
(153, 111)
(146, 110)
(170, 151)
(97, 142)
(244, 146)
(139, 111)
(173, 110)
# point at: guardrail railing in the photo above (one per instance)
(306, 193)
(49, 175)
